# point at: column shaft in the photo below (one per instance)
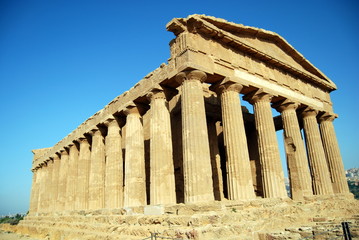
(83, 172)
(271, 169)
(114, 167)
(240, 184)
(41, 177)
(135, 178)
(297, 162)
(34, 192)
(97, 172)
(331, 148)
(63, 173)
(72, 177)
(162, 184)
(55, 183)
(196, 154)
(318, 164)
(49, 187)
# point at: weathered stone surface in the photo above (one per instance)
(198, 185)
(154, 210)
(162, 171)
(71, 183)
(135, 178)
(64, 159)
(332, 152)
(272, 173)
(83, 173)
(97, 171)
(299, 175)
(114, 166)
(240, 185)
(318, 163)
(257, 219)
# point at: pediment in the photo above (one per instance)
(262, 44)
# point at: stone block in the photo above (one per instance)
(154, 210)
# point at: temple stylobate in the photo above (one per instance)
(181, 134)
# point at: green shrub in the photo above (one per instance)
(12, 220)
(353, 189)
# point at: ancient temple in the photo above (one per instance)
(181, 134)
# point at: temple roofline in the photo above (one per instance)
(225, 32)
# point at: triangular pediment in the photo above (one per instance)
(262, 44)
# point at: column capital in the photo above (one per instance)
(95, 132)
(83, 140)
(73, 144)
(63, 152)
(56, 157)
(156, 93)
(309, 112)
(327, 116)
(258, 96)
(285, 104)
(226, 85)
(191, 75)
(134, 108)
(113, 127)
(111, 122)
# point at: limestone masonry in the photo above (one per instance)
(180, 135)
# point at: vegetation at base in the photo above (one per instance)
(13, 220)
(354, 189)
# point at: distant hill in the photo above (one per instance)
(352, 176)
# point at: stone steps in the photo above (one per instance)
(256, 219)
(180, 229)
(327, 229)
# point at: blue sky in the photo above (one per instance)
(62, 61)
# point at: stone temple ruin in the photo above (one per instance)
(179, 143)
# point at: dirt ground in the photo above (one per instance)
(13, 236)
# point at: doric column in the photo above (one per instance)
(162, 184)
(316, 155)
(71, 177)
(271, 169)
(49, 186)
(55, 182)
(135, 177)
(41, 177)
(198, 185)
(331, 149)
(114, 166)
(45, 187)
(297, 162)
(63, 174)
(83, 174)
(97, 171)
(34, 191)
(239, 177)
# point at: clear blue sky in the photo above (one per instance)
(62, 61)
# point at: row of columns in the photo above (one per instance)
(88, 174)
